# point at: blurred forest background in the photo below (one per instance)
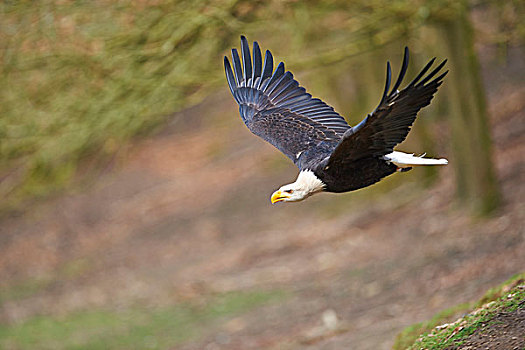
(135, 204)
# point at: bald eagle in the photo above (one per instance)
(331, 155)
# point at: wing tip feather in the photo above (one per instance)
(277, 84)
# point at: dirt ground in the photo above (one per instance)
(184, 215)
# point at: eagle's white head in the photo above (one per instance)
(305, 185)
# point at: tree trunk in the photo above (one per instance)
(471, 143)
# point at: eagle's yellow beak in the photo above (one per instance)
(278, 196)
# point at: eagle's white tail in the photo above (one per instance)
(405, 160)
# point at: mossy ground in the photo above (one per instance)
(437, 334)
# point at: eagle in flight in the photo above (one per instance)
(331, 155)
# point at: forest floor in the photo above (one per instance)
(177, 246)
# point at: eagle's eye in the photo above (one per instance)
(289, 191)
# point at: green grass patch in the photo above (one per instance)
(24, 289)
(425, 335)
(21, 289)
(411, 333)
(134, 328)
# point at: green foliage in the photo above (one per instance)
(24, 289)
(18, 290)
(79, 78)
(138, 328)
(424, 335)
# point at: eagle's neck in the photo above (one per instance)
(309, 182)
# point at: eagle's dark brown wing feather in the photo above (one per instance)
(391, 121)
(294, 134)
(307, 130)
(274, 106)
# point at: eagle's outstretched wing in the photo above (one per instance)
(390, 122)
(274, 106)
